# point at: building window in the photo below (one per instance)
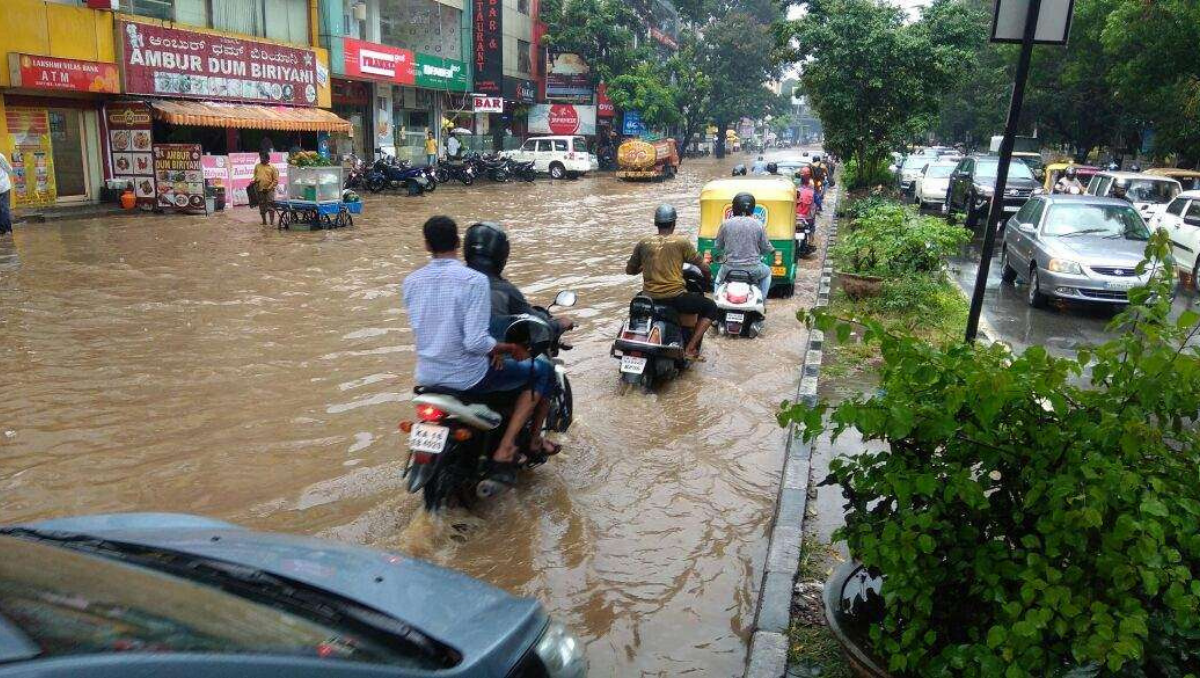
(283, 20)
(524, 64)
(155, 9)
(523, 6)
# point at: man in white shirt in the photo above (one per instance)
(453, 147)
(5, 195)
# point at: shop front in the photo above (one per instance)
(352, 101)
(519, 95)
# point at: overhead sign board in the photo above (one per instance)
(1053, 23)
(568, 78)
(487, 40)
(379, 62)
(562, 119)
(439, 73)
(486, 104)
(42, 72)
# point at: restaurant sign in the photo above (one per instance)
(31, 71)
(439, 73)
(170, 62)
(487, 46)
(379, 62)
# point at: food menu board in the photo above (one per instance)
(241, 173)
(179, 176)
(32, 159)
(130, 148)
(216, 170)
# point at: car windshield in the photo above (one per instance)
(986, 169)
(939, 171)
(1031, 162)
(1149, 190)
(1114, 221)
(915, 162)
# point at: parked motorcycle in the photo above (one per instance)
(387, 172)
(652, 342)
(741, 305)
(356, 174)
(461, 171)
(456, 434)
(521, 170)
(490, 166)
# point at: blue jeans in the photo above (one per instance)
(518, 375)
(762, 274)
(5, 212)
(431, 159)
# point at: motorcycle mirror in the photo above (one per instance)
(565, 298)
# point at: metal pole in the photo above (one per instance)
(1006, 147)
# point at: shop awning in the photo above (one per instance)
(248, 116)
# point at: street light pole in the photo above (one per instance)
(996, 213)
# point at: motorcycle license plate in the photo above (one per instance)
(735, 317)
(633, 365)
(428, 438)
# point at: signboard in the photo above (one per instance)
(379, 62)
(604, 105)
(169, 62)
(179, 176)
(488, 45)
(216, 169)
(32, 159)
(631, 124)
(130, 147)
(39, 72)
(444, 74)
(520, 90)
(568, 78)
(113, 5)
(485, 104)
(663, 38)
(1053, 24)
(562, 119)
(241, 173)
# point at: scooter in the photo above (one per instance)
(652, 342)
(387, 172)
(456, 433)
(741, 305)
(806, 228)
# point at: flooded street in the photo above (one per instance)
(217, 367)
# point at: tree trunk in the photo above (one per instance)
(719, 146)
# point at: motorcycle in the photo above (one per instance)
(521, 170)
(652, 341)
(492, 167)
(741, 305)
(356, 174)
(806, 228)
(463, 172)
(387, 172)
(456, 434)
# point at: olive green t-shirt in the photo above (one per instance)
(660, 260)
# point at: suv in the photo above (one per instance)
(974, 180)
(1181, 219)
(1150, 194)
(560, 157)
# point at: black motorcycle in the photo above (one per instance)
(490, 166)
(652, 342)
(460, 171)
(520, 170)
(456, 433)
(390, 173)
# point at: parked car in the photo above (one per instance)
(1149, 193)
(910, 169)
(1075, 247)
(1189, 180)
(932, 183)
(974, 181)
(178, 595)
(559, 156)
(1181, 219)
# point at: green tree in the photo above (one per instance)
(691, 85)
(646, 89)
(738, 58)
(601, 31)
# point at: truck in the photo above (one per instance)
(639, 160)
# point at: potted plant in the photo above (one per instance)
(1032, 515)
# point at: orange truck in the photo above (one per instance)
(639, 160)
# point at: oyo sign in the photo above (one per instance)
(489, 104)
(563, 119)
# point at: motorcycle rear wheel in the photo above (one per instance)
(441, 175)
(466, 179)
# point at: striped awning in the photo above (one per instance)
(248, 116)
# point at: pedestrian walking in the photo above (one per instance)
(266, 180)
(5, 195)
(431, 148)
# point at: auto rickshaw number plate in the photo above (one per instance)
(428, 438)
(735, 317)
(633, 365)
(778, 270)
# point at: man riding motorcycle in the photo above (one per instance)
(743, 240)
(819, 176)
(1069, 182)
(660, 259)
(486, 249)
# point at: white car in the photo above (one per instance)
(1149, 193)
(933, 182)
(558, 156)
(1181, 219)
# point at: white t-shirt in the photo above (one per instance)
(452, 147)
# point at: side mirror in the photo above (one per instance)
(1026, 228)
(565, 298)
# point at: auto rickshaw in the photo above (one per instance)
(775, 206)
(1054, 172)
(1188, 179)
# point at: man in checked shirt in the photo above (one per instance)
(449, 307)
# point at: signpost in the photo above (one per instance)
(1046, 22)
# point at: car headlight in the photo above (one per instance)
(561, 652)
(1064, 266)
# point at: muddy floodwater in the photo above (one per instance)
(217, 367)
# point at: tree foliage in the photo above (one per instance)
(601, 31)
(738, 56)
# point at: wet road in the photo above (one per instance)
(217, 367)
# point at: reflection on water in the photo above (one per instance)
(213, 366)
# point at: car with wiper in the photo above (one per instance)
(1148, 192)
(973, 185)
(1073, 247)
(171, 595)
(932, 184)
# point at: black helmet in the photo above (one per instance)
(743, 205)
(530, 331)
(486, 248)
(739, 170)
(665, 216)
(1135, 167)
(1121, 184)
(772, 168)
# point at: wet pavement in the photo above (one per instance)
(214, 366)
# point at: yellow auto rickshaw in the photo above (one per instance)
(775, 206)
(1188, 179)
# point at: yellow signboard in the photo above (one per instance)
(32, 159)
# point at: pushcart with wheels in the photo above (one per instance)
(310, 215)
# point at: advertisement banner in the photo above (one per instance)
(562, 119)
(379, 62)
(32, 160)
(520, 90)
(632, 125)
(39, 72)
(604, 105)
(169, 62)
(568, 78)
(130, 148)
(241, 173)
(444, 74)
(216, 170)
(488, 46)
(180, 177)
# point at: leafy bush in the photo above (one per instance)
(856, 209)
(873, 174)
(891, 239)
(1031, 513)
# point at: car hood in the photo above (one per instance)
(1099, 251)
(1027, 184)
(491, 628)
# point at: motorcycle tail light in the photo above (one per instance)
(778, 258)
(430, 413)
(461, 435)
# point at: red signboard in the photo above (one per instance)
(604, 105)
(379, 62)
(41, 72)
(488, 46)
(169, 62)
(563, 119)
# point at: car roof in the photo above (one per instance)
(1136, 175)
(1088, 199)
(1173, 172)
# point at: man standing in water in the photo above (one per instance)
(266, 179)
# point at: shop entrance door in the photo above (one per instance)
(67, 144)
